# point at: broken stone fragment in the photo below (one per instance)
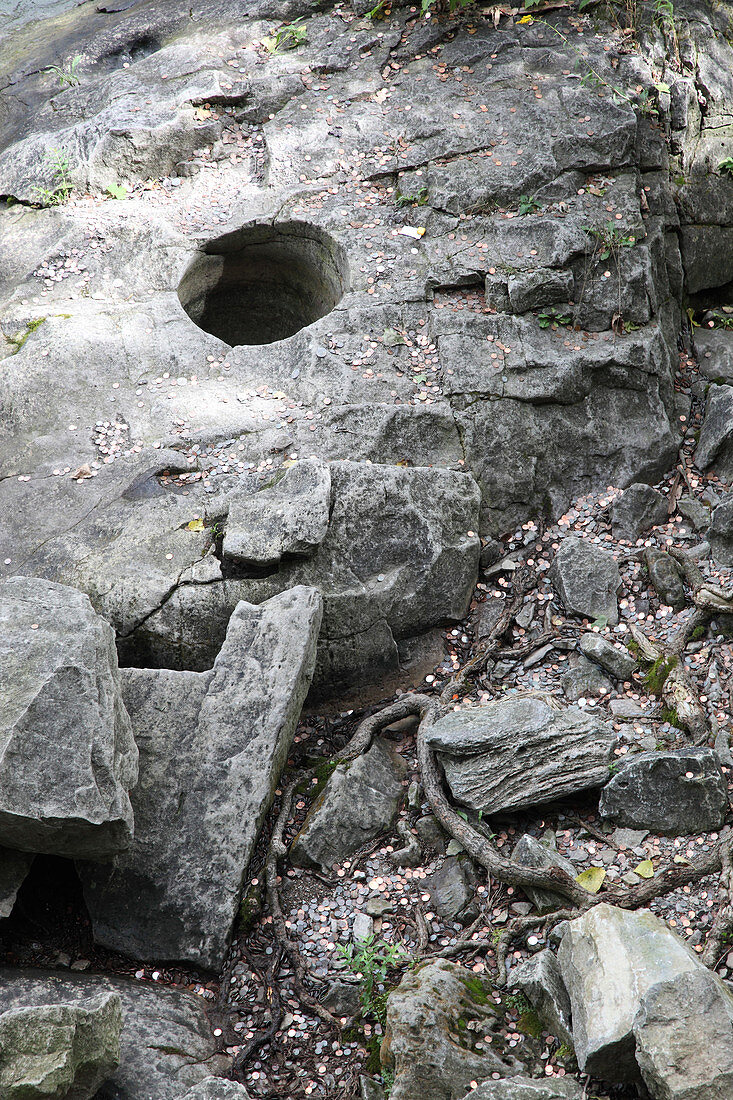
(527, 1088)
(617, 662)
(217, 1088)
(541, 855)
(68, 757)
(540, 980)
(357, 804)
(664, 574)
(212, 747)
(587, 580)
(675, 793)
(14, 867)
(521, 752)
(636, 511)
(59, 1050)
(288, 516)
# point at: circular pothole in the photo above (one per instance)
(264, 282)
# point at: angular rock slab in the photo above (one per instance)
(63, 1050)
(527, 1088)
(166, 1045)
(586, 579)
(521, 752)
(67, 753)
(212, 747)
(358, 803)
(287, 517)
(422, 1038)
(617, 662)
(540, 856)
(609, 958)
(684, 1038)
(676, 793)
(14, 866)
(636, 511)
(540, 980)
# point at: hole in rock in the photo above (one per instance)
(129, 52)
(49, 911)
(263, 283)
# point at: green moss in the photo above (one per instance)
(476, 990)
(657, 673)
(18, 339)
(250, 908)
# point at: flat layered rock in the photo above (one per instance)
(166, 1046)
(212, 747)
(67, 753)
(586, 579)
(521, 752)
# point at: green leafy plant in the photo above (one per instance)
(289, 37)
(370, 959)
(379, 11)
(550, 317)
(420, 199)
(609, 239)
(726, 166)
(67, 77)
(61, 187)
(117, 191)
(664, 12)
(528, 204)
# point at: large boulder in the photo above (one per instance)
(212, 747)
(609, 959)
(357, 804)
(540, 980)
(586, 579)
(166, 1046)
(521, 752)
(677, 793)
(68, 755)
(62, 1051)
(684, 1038)
(430, 1039)
(217, 1088)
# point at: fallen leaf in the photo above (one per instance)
(195, 525)
(201, 113)
(83, 472)
(645, 869)
(454, 848)
(391, 338)
(592, 879)
(682, 859)
(117, 191)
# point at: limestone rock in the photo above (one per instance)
(68, 757)
(521, 752)
(720, 533)
(636, 511)
(617, 662)
(586, 580)
(540, 856)
(664, 574)
(287, 517)
(63, 1050)
(452, 889)
(675, 793)
(212, 747)
(684, 1038)
(714, 349)
(583, 679)
(609, 958)
(14, 866)
(527, 1088)
(166, 1045)
(715, 446)
(217, 1088)
(540, 980)
(358, 803)
(427, 1039)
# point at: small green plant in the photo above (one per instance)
(61, 180)
(444, 5)
(613, 767)
(18, 339)
(420, 199)
(657, 673)
(528, 204)
(370, 959)
(379, 11)
(289, 37)
(67, 77)
(117, 191)
(609, 240)
(664, 13)
(550, 317)
(726, 166)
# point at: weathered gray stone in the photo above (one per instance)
(14, 866)
(586, 580)
(714, 349)
(584, 678)
(217, 1088)
(68, 754)
(715, 445)
(696, 511)
(540, 980)
(427, 1041)
(527, 1088)
(720, 533)
(530, 852)
(521, 752)
(544, 287)
(664, 574)
(609, 958)
(616, 661)
(684, 1038)
(287, 517)
(166, 1045)
(636, 511)
(452, 889)
(676, 793)
(64, 1050)
(358, 803)
(212, 747)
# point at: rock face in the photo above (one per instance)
(586, 580)
(715, 446)
(636, 511)
(526, 1088)
(358, 803)
(68, 755)
(617, 662)
(541, 855)
(540, 980)
(684, 1038)
(166, 1046)
(14, 866)
(212, 747)
(63, 1050)
(609, 959)
(427, 1040)
(676, 793)
(521, 752)
(216, 1088)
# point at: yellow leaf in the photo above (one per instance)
(288, 463)
(195, 525)
(645, 869)
(529, 19)
(682, 859)
(592, 879)
(201, 114)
